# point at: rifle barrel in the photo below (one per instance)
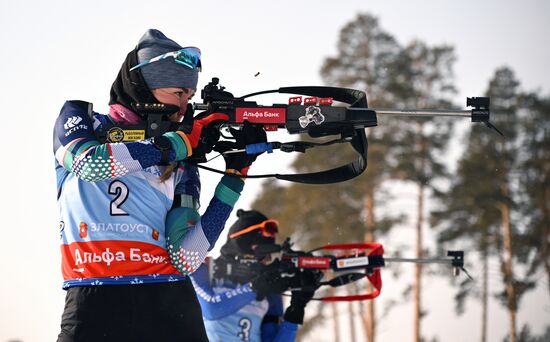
(421, 261)
(422, 112)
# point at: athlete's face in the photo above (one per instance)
(175, 96)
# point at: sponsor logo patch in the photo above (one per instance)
(72, 122)
(117, 134)
(83, 230)
(313, 262)
(352, 262)
(261, 115)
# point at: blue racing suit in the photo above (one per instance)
(119, 222)
(232, 313)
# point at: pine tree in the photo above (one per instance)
(416, 76)
(345, 212)
(423, 78)
(366, 53)
(535, 178)
(468, 213)
(478, 206)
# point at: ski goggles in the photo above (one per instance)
(268, 228)
(188, 56)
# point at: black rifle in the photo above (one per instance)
(313, 115)
(305, 271)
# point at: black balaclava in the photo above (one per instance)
(242, 244)
(130, 87)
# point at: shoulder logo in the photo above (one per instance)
(72, 122)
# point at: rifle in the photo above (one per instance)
(313, 115)
(305, 271)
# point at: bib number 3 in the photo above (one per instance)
(245, 325)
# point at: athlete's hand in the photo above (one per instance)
(269, 280)
(295, 312)
(201, 131)
(241, 161)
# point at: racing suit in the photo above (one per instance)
(232, 313)
(122, 226)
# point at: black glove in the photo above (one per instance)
(201, 131)
(249, 134)
(295, 312)
(269, 280)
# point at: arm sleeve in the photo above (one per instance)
(272, 330)
(77, 149)
(275, 305)
(190, 237)
(284, 332)
(215, 306)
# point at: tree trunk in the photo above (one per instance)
(363, 315)
(334, 317)
(369, 321)
(417, 286)
(353, 338)
(484, 293)
(508, 266)
(418, 267)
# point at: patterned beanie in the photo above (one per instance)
(164, 73)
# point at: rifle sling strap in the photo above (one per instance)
(338, 174)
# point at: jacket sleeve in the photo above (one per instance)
(218, 305)
(190, 237)
(272, 330)
(284, 332)
(77, 149)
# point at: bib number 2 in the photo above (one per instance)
(121, 192)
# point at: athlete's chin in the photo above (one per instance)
(177, 117)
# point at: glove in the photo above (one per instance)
(201, 133)
(249, 134)
(295, 312)
(269, 281)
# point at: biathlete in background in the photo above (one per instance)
(245, 305)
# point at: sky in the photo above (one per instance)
(52, 51)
